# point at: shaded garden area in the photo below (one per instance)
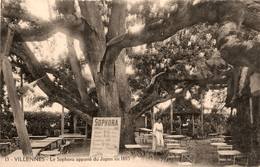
(126, 59)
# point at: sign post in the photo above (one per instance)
(105, 136)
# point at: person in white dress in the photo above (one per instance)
(158, 142)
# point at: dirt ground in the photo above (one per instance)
(205, 156)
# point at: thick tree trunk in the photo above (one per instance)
(127, 130)
(108, 100)
(117, 27)
(113, 98)
(243, 112)
(1, 100)
(12, 93)
(256, 124)
(17, 112)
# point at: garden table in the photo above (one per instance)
(175, 137)
(227, 155)
(40, 144)
(213, 134)
(178, 151)
(133, 146)
(146, 138)
(73, 137)
(144, 130)
(171, 141)
(229, 152)
(172, 145)
(217, 139)
(53, 142)
(50, 153)
(218, 144)
(165, 134)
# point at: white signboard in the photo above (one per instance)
(105, 136)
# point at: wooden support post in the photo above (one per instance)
(153, 117)
(180, 126)
(62, 120)
(193, 128)
(86, 131)
(251, 108)
(171, 115)
(1, 77)
(13, 97)
(202, 112)
(145, 121)
(22, 105)
(1, 101)
(75, 124)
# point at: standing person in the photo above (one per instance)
(158, 135)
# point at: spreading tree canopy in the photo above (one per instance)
(104, 29)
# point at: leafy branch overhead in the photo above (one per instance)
(187, 42)
(185, 16)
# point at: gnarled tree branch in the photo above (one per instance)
(188, 15)
(145, 104)
(55, 93)
(75, 66)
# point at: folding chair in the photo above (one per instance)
(65, 149)
(225, 159)
(187, 159)
(173, 146)
(241, 160)
(171, 141)
(142, 139)
(188, 139)
(186, 144)
(174, 157)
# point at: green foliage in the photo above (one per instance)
(8, 129)
(38, 123)
(212, 121)
(241, 131)
(192, 52)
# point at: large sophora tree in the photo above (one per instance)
(104, 52)
(189, 59)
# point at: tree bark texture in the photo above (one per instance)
(57, 94)
(17, 112)
(12, 93)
